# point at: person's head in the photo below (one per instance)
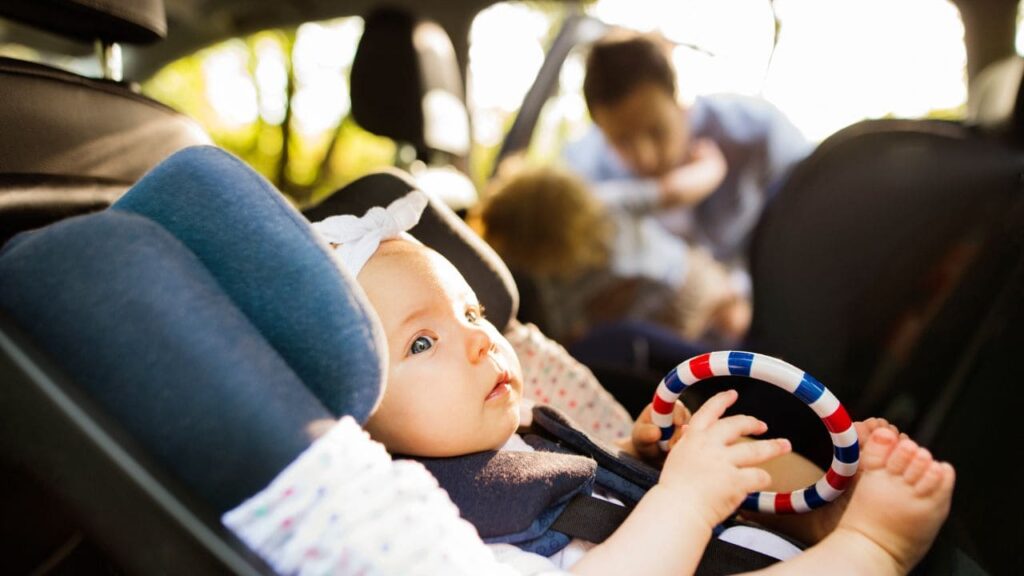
(545, 221)
(630, 90)
(453, 382)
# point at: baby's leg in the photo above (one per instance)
(901, 500)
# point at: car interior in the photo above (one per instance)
(890, 265)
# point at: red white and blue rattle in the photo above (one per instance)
(846, 453)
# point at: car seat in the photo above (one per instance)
(890, 266)
(70, 144)
(866, 240)
(162, 360)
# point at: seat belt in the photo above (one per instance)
(594, 520)
(590, 518)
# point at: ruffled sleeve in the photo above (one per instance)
(344, 507)
(553, 377)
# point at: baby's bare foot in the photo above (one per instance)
(825, 519)
(902, 498)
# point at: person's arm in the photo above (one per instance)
(695, 180)
(706, 476)
(344, 506)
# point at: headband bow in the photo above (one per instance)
(358, 237)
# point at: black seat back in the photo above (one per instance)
(71, 144)
(865, 243)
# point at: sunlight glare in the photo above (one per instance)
(507, 43)
(229, 88)
(272, 80)
(322, 55)
(839, 62)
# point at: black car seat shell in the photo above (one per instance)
(868, 234)
(891, 265)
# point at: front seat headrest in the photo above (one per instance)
(406, 84)
(127, 21)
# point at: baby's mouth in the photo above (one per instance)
(502, 386)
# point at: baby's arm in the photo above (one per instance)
(705, 478)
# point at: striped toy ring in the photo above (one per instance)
(846, 453)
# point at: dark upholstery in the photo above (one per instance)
(865, 239)
(406, 84)
(128, 21)
(70, 145)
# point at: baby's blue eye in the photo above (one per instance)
(421, 344)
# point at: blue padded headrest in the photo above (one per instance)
(270, 263)
(135, 319)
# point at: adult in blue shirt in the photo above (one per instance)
(705, 169)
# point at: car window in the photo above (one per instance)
(826, 64)
(279, 99)
(831, 63)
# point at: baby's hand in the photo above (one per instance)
(645, 436)
(702, 174)
(710, 468)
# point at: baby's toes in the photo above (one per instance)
(918, 466)
(936, 475)
(877, 449)
(901, 457)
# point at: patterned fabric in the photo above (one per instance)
(344, 507)
(554, 378)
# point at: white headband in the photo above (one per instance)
(358, 237)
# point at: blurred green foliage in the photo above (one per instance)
(304, 165)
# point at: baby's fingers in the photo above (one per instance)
(712, 409)
(728, 430)
(680, 414)
(676, 436)
(758, 451)
(753, 479)
(646, 434)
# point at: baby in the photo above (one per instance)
(454, 387)
(584, 257)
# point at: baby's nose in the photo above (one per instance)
(478, 343)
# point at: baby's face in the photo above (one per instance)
(454, 382)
